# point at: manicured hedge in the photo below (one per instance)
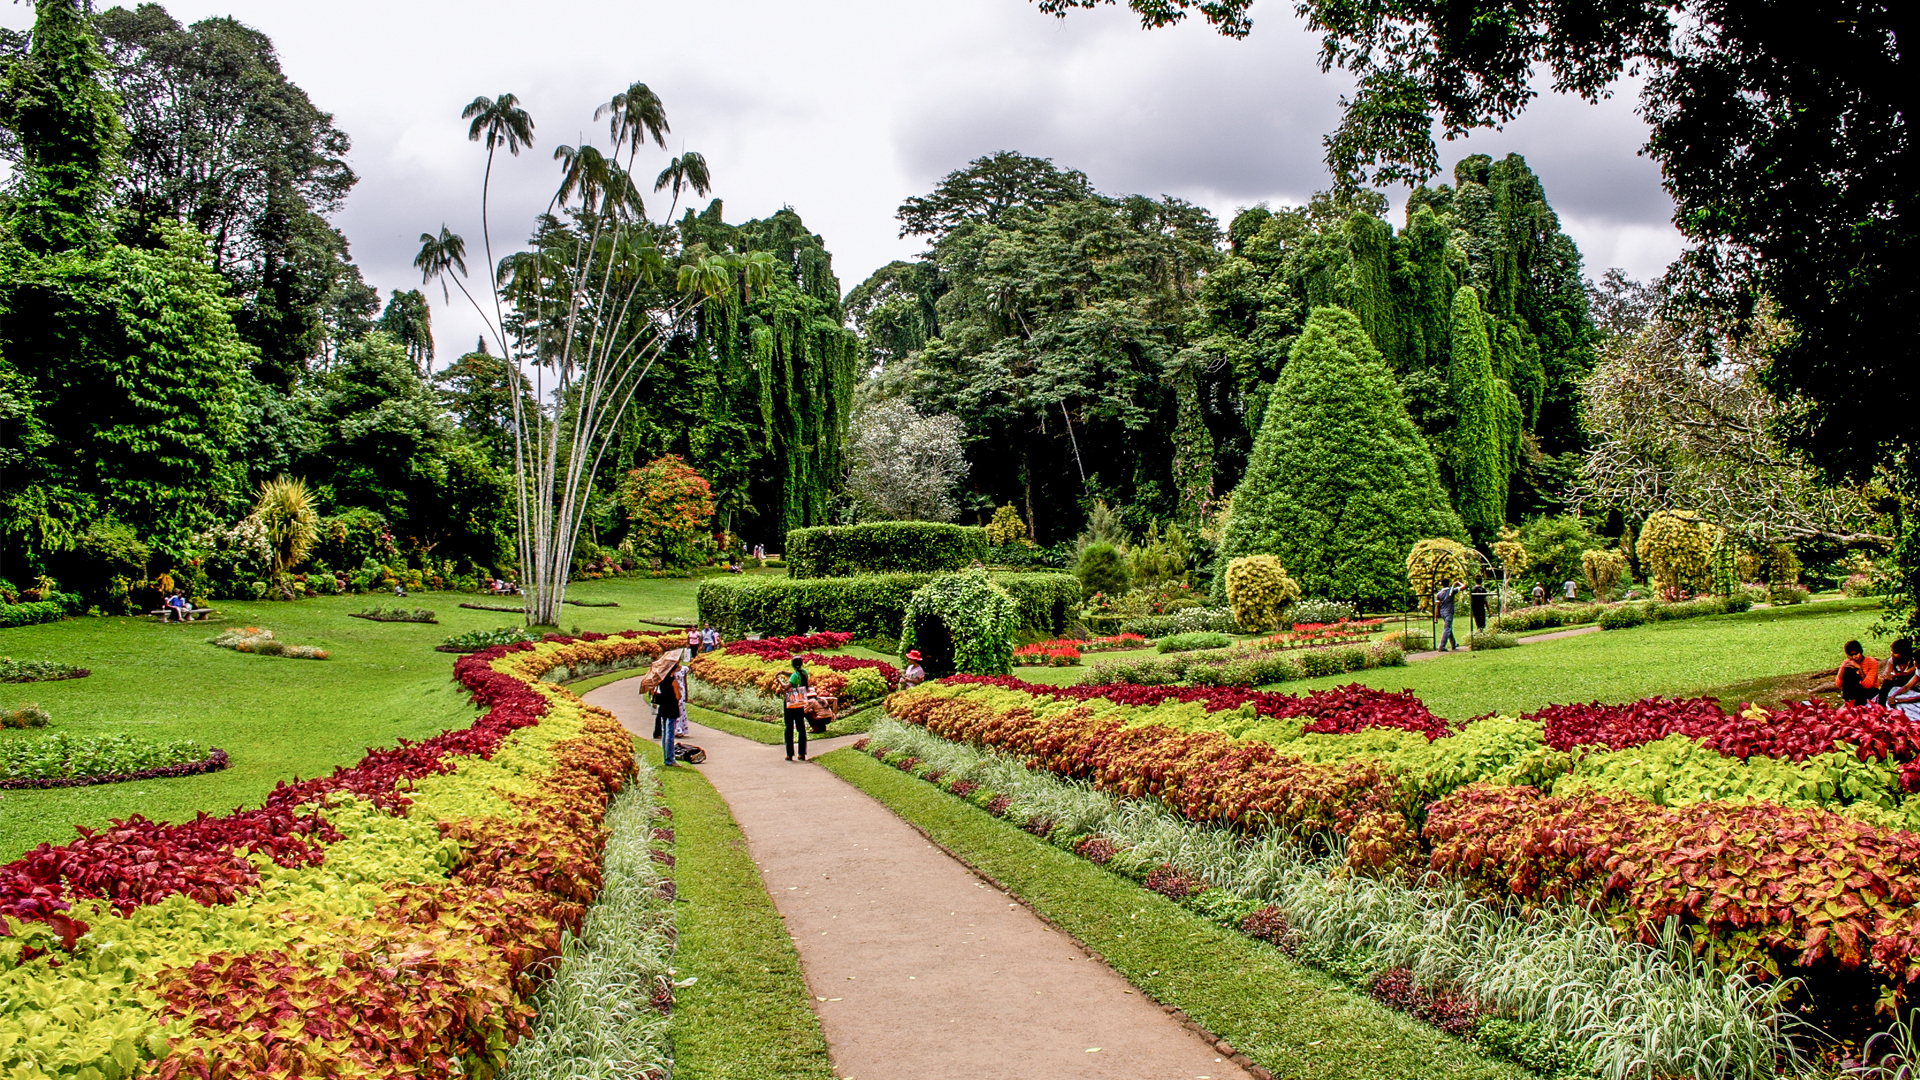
(884, 547)
(37, 611)
(866, 606)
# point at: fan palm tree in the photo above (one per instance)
(688, 171)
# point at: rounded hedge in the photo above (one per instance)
(884, 547)
(869, 605)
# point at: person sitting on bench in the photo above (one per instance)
(178, 609)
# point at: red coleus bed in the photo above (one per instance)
(781, 648)
(1767, 881)
(1345, 709)
(138, 861)
(1796, 732)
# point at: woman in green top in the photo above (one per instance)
(797, 708)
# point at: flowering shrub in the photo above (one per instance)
(1046, 654)
(1312, 635)
(781, 648)
(263, 942)
(252, 639)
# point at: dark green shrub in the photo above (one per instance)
(1416, 641)
(1521, 620)
(884, 547)
(38, 611)
(1622, 617)
(1190, 642)
(869, 605)
(1102, 569)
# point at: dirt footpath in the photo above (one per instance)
(918, 968)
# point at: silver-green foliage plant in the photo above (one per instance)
(64, 756)
(978, 615)
(1323, 611)
(1632, 1009)
(1341, 483)
(597, 1019)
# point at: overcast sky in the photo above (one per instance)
(843, 109)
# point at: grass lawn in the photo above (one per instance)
(747, 1016)
(1294, 1021)
(279, 719)
(1691, 656)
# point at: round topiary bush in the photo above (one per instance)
(1436, 562)
(1103, 569)
(961, 623)
(1676, 548)
(1260, 591)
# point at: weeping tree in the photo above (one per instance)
(582, 311)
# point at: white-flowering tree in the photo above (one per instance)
(1679, 419)
(905, 464)
(581, 312)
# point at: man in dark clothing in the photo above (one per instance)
(1479, 606)
(1443, 600)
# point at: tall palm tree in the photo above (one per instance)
(498, 122)
(688, 171)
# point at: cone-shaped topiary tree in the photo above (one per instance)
(1340, 485)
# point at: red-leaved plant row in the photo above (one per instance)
(1206, 776)
(1768, 882)
(850, 663)
(781, 648)
(137, 861)
(1770, 885)
(1339, 711)
(1795, 732)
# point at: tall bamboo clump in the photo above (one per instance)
(582, 313)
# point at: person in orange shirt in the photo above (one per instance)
(1858, 677)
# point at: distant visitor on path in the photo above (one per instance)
(797, 684)
(915, 674)
(1479, 606)
(1859, 676)
(1539, 594)
(709, 638)
(669, 718)
(1443, 603)
(1573, 590)
(693, 642)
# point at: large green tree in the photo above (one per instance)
(1341, 484)
(219, 140)
(1784, 132)
(1052, 315)
(1486, 429)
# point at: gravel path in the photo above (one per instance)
(919, 968)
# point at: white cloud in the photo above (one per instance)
(842, 110)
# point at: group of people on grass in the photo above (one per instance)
(1447, 599)
(1893, 682)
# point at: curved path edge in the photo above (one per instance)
(918, 965)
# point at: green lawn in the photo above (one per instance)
(747, 1015)
(279, 719)
(1692, 656)
(1296, 1022)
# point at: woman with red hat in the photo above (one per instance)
(915, 673)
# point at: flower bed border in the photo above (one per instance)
(213, 762)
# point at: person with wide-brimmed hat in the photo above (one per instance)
(915, 674)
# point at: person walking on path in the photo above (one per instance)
(1539, 594)
(1478, 605)
(1443, 601)
(668, 712)
(709, 639)
(1573, 590)
(693, 642)
(797, 708)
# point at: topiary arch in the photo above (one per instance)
(961, 623)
